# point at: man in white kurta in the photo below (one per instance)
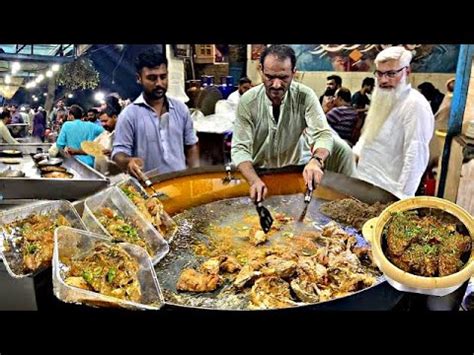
(393, 151)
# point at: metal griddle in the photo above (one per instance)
(193, 224)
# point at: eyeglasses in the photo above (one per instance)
(389, 74)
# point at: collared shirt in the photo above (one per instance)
(397, 157)
(159, 141)
(73, 133)
(260, 139)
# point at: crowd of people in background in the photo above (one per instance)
(381, 133)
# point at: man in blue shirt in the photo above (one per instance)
(74, 132)
(155, 132)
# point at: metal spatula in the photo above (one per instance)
(307, 199)
(266, 219)
(158, 194)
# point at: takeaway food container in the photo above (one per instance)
(70, 243)
(113, 198)
(11, 256)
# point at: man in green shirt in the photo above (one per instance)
(276, 120)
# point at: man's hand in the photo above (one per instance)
(69, 151)
(134, 167)
(312, 173)
(258, 190)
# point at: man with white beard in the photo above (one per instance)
(393, 150)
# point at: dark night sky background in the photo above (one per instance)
(116, 72)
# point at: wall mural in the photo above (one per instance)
(427, 58)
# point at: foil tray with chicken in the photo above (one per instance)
(120, 229)
(32, 241)
(107, 269)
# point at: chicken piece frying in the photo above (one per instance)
(194, 281)
(212, 265)
(230, 265)
(246, 275)
(271, 292)
(276, 266)
(257, 237)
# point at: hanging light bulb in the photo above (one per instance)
(55, 67)
(40, 78)
(8, 79)
(70, 96)
(49, 73)
(99, 96)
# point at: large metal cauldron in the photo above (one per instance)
(197, 187)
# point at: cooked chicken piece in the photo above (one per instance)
(304, 290)
(306, 269)
(259, 237)
(325, 294)
(194, 281)
(322, 256)
(282, 218)
(276, 266)
(351, 242)
(256, 262)
(155, 207)
(230, 265)
(355, 282)
(246, 275)
(309, 275)
(344, 259)
(271, 292)
(420, 260)
(77, 281)
(212, 265)
(398, 262)
(332, 229)
(402, 231)
(451, 251)
(365, 255)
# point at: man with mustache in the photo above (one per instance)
(278, 122)
(393, 150)
(155, 132)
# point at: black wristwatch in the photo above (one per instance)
(319, 160)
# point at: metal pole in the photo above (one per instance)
(458, 104)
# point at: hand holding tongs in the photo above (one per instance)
(307, 199)
(149, 184)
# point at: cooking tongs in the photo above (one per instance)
(158, 194)
(266, 219)
(307, 199)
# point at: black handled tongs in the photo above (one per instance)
(307, 199)
(266, 219)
